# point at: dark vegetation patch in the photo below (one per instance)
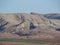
(3, 23)
(57, 29)
(32, 26)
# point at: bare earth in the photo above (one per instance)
(19, 43)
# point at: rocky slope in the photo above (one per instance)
(26, 23)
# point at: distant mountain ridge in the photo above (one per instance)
(49, 15)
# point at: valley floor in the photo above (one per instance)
(19, 43)
(15, 41)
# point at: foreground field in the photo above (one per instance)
(22, 40)
(14, 41)
(19, 43)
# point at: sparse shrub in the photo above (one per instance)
(57, 29)
(3, 23)
(32, 26)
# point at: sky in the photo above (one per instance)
(27, 6)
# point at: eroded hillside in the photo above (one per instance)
(22, 23)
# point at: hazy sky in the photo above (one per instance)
(27, 6)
